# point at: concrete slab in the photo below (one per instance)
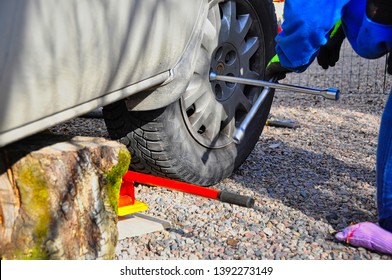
(138, 224)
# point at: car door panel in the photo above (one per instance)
(55, 55)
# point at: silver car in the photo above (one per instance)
(147, 62)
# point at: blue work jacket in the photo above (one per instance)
(307, 24)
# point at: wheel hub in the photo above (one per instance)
(225, 61)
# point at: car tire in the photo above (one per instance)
(191, 139)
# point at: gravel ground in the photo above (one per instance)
(308, 183)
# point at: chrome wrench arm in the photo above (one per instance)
(330, 93)
(240, 131)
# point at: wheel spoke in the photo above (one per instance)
(228, 128)
(243, 100)
(229, 13)
(204, 111)
(201, 61)
(214, 127)
(215, 2)
(239, 101)
(243, 25)
(249, 47)
(251, 74)
(193, 92)
(209, 37)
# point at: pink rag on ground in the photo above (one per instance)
(368, 235)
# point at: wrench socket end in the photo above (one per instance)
(238, 135)
(212, 76)
(333, 94)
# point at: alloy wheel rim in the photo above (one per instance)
(231, 46)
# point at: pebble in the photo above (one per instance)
(268, 231)
(193, 257)
(281, 227)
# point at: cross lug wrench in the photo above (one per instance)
(329, 93)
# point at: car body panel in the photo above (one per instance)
(61, 59)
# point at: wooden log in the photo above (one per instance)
(58, 198)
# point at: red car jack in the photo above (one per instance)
(128, 205)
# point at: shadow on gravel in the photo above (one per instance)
(317, 184)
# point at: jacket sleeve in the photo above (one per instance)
(369, 39)
(305, 29)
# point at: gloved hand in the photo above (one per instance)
(329, 53)
(367, 235)
(274, 69)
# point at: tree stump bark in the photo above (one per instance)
(58, 198)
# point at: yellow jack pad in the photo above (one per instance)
(138, 206)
